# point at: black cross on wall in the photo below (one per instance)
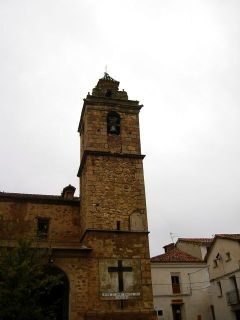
(120, 269)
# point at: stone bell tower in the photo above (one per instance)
(113, 218)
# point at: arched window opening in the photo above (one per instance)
(58, 296)
(108, 93)
(113, 123)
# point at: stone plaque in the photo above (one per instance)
(136, 222)
(120, 279)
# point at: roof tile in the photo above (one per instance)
(233, 236)
(175, 255)
(198, 241)
(36, 197)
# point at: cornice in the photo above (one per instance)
(111, 231)
(127, 105)
(106, 154)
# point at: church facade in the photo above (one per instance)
(100, 239)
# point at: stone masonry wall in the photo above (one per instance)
(77, 271)
(112, 190)
(19, 220)
(94, 132)
(122, 245)
(84, 278)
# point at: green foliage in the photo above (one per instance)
(26, 283)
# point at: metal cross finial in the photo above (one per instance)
(106, 71)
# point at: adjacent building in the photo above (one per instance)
(223, 260)
(180, 286)
(197, 247)
(198, 278)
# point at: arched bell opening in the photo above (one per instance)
(108, 93)
(113, 123)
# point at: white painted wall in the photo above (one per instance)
(221, 274)
(194, 289)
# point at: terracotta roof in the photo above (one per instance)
(5, 196)
(198, 241)
(175, 255)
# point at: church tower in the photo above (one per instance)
(113, 218)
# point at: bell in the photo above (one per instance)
(113, 129)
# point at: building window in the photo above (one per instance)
(212, 312)
(219, 289)
(215, 264)
(228, 256)
(118, 225)
(216, 260)
(42, 227)
(175, 283)
(159, 313)
(108, 93)
(113, 123)
(233, 283)
(233, 294)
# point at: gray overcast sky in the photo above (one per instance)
(179, 58)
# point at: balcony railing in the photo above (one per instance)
(176, 288)
(232, 297)
(170, 291)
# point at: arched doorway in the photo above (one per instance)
(57, 298)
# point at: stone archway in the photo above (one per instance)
(59, 294)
